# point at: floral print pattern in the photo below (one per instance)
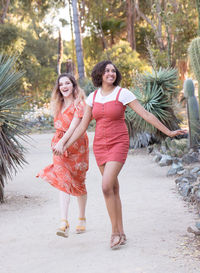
(68, 172)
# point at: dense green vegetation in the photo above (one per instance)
(119, 33)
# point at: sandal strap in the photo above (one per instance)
(82, 218)
(64, 220)
(80, 227)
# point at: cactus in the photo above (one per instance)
(194, 57)
(193, 114)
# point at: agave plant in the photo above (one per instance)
(11, 126)
(155, 95)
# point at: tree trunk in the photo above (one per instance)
(1, 190)
(4, 12)
(156, 26)
(198, 10)
(104, 44)
(72, 34)
(79, 50)
(60, 53)
(131, 23)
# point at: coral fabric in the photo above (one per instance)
(67, 173)
(111, 141)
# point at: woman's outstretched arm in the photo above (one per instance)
(150, 118)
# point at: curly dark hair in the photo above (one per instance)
(99, 70)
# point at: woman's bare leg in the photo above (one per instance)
(119, 208)
(82, 200)
(118, 203)
(64, 204)
(110, 187)
(64, 209)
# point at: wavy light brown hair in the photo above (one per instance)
(99, 70)
(57, 98)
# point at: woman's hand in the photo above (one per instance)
(58, 149)
(178, 132)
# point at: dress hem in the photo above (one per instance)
(60, 188)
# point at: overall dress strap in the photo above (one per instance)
(95, 92)
(117, 97)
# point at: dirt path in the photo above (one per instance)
(156, 220)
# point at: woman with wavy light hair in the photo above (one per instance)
(68, 171)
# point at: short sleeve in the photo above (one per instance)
(126, 96)
(79, 110)
(89, 100)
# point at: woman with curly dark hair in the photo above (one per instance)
(111, 142)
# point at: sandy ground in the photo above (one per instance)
(156, 219)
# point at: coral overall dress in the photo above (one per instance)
(111, 141)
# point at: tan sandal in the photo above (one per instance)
(123, 239)
(63, 230)
(115, 241)
(82, 225)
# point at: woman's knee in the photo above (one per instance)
(110, 188)
(116, 189)
(107, 189)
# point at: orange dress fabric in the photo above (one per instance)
(68, 172)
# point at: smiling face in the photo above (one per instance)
(109, 75)
(66, 87)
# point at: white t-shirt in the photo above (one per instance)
(125, 96)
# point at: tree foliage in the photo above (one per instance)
(104, 28)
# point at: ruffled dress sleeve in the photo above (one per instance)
(79, 110)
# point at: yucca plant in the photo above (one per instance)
(155, 95)
(11, 125)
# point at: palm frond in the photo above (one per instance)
(155, 97)
(11, 125)
(166, 78)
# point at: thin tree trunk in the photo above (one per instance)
(5, 10)
(102, 36)
(60, 53)
(131, 23)
(156, 28)
(79, 50)
(72, 34)
(198, 10)
(1, 190)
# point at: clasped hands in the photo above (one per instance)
(60, 149)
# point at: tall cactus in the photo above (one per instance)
(194, 56)
(193, 114)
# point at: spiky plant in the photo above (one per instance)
(11, 126)
(155, 95)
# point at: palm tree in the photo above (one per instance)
(11, 126)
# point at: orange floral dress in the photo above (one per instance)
(68, 172)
